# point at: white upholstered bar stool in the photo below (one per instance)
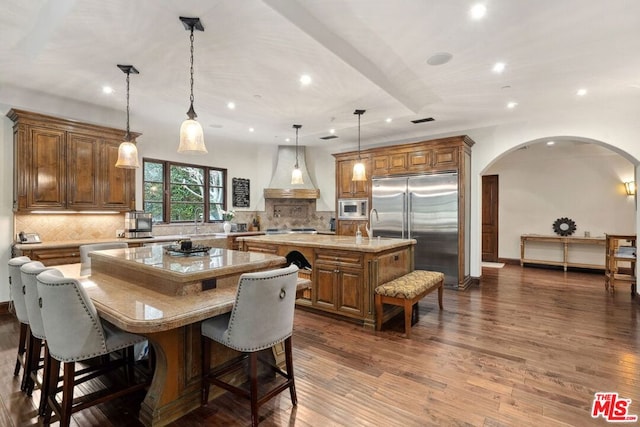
(141, 350)
(29, 271)
(85, 250)
(17, 298)
(262, 316)
(76, 333)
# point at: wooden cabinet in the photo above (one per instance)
(349, 227)
(338, 282)
(66, 165)
(53, 256)
(345, 187)
(451, 154)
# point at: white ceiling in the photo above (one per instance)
(361, 54)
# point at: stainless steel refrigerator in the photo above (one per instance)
(424, 208)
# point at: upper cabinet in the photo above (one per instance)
(345, 187)
(67, 165)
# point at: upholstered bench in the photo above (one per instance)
(405, 291)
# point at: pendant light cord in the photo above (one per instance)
(297, 147)
(127, 136)
(191, 39)
(359, 136)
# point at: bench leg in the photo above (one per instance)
(379, 312)
(440, 292)
(408, 308)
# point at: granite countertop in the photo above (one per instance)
(332, 241)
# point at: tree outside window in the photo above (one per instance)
(176, 192)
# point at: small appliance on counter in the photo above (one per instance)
(137, 225)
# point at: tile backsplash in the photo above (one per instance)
(279, 213)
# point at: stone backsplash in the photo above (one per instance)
(279, 213)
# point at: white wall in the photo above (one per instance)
(581, 181)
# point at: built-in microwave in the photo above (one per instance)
(353, 209)
(137, 224)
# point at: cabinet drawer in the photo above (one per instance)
(54, 256)
(339, 258)
(261, 247)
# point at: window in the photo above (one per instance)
(178, 192)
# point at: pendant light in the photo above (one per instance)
(359, 172)
(127, 151)
(191, 133)
(296, 175)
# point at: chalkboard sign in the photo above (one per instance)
(240, 192)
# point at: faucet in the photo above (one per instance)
(198, 213)
(369, 226)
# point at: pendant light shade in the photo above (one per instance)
(359, 172)
(127, 151)
(296, 175)
(191, 133)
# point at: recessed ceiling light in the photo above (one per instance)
(107, 89)
(439, 58)
(498, 67)
(512, 104)
(550, 143)
(251, 129)
(287, 139)
(388, 120)
(332, 131)
(305, 79)
(231, 105)
(581, 92)
(478, 11)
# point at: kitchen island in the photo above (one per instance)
(163, 297)
(343, 273)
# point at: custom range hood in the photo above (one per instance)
(280, 186)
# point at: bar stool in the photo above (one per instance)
(17, 297)
(262, 316)
(142, 349)
(29, 272)
(76, 333)
(85, 250)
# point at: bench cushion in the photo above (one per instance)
(411, 284)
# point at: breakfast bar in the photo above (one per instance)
(165, 297)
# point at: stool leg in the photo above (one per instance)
(22, 346)
(440, 292)
(206, 368)
(408, 305)
(253, 379)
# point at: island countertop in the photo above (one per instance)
(374, 245)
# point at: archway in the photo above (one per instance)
(577, 177)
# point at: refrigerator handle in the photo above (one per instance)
(408, 215)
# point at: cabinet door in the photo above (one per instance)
(83, 153)
(349, 228)
(350, 290)
(324, 293)
(380, 165)
(446, 157)
(117, 185)
(348, 188)
(420, 160)
(46, 184)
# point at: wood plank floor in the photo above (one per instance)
(528, 347)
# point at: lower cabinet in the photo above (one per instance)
(54, 256)
(339, 281)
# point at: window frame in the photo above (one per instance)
(166, 189)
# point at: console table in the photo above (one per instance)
(565, 241)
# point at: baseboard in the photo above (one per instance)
(510, 261)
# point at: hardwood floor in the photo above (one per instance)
(526, 347)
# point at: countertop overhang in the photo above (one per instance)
(333, 242)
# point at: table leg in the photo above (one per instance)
(566, 254)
